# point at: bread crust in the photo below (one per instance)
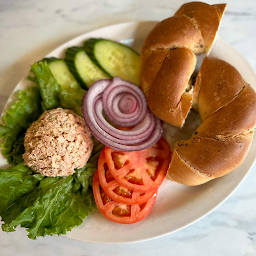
(184, 173)
(221, 142)
(174, 32)
(167, 88)
(234, 119)
(219, 90)
(226, 103)
(206, 17)
(192, 28)
(214, 157)
(150, 67)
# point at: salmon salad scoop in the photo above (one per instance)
(57, 143)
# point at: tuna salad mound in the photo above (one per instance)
(57, 143)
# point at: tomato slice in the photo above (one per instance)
(118, 212)
(115, 190)
(141, 171)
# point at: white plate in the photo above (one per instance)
(177, 206)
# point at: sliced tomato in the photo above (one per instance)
(141, 171)
(115, 190)
(118, 212)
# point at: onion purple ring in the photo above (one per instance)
(114, 114)
(123, 101)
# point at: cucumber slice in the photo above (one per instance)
(83, 69)
(61, 73)
(114, 58)
(70, 93)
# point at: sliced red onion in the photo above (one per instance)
(118, 113)
(113, 112)
(136, 135)
(125, 102)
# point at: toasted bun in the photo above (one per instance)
(173, 77)
(226, 103)
(206, 17)
(227, 106)
(168, 60)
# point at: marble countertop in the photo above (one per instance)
(30, 29)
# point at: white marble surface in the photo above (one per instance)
(29, 29)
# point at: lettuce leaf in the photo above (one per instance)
(16, 182)
(72, 98)
(84, 175)
(55, 207)
(12, 212)
(43, 205)
(53, 94)
(17, 119)
(29, 106)
(49, 88)
(46, 205)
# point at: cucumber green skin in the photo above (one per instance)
(49, 60)
(70, 59)
(76, 58)
(89, 46)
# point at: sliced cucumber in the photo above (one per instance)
(83, 69)
(71, 93)
(114, 58)
(61, 73)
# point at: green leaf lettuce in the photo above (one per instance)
(16, 182)
(17, 119)
(53, 94)
(45, 206)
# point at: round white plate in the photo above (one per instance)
(177, 206)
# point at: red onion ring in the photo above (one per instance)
(127, 104)
(145, 133)
(136, 135)
(114, 114)
(116, 110)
